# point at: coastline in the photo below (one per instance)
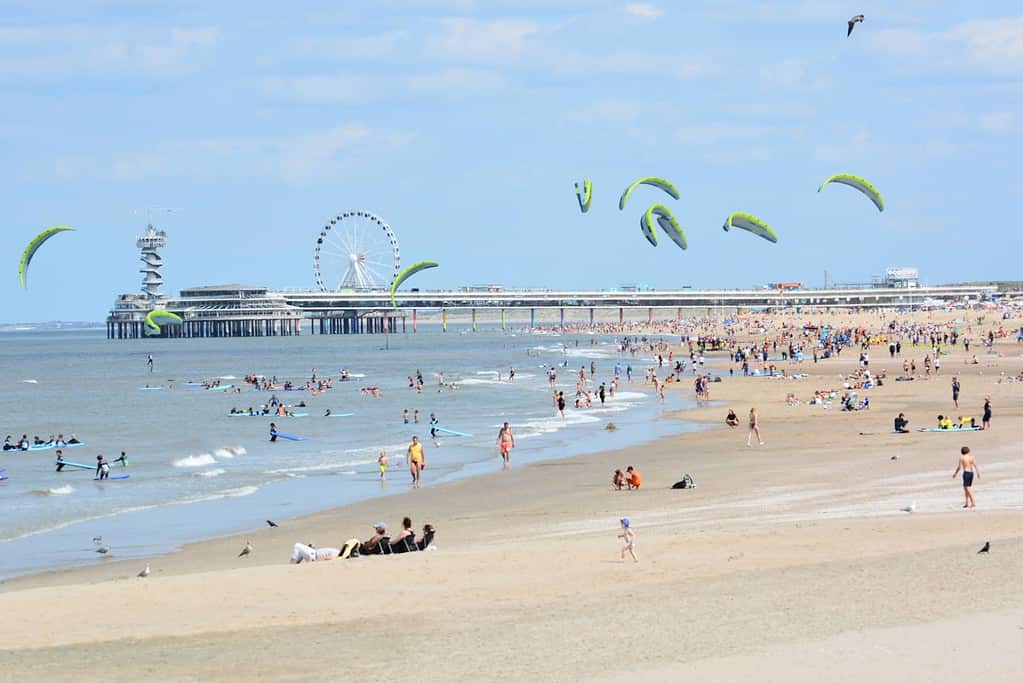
(525, 580)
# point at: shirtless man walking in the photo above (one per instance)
(968, 465)
(506, 442)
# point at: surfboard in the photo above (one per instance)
(341, 414)
(76, 464)
(954, 429)
(452, 432)
(4, 478)
(73, 445)
(267, 415)
(114, 477)
(150, 388)
(292, 437)
(221, 387)
(3, 469)
(41, 447)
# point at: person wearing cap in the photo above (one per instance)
(371, 546)
(629, 536)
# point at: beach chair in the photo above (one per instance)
(427, 539)
(405, 545)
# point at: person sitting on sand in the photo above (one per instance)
(732, 420)
(618, 480)
(634, 479)
(371, 546)
(406, 530)
(944, 422)
(902, 424)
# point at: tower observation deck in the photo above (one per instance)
(152, 280)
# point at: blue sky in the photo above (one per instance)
(465, 124)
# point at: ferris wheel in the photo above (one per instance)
(356, 250)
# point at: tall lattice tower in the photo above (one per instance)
(152, 280)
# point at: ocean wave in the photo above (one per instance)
(215, 472)
(229, 452)
(64, 490)
(30, 381)
(201, 460)
(227, 377)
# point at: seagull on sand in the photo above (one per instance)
(247, 550)
(858, 19)
(909, 508)
(145, 572)
(986, 548)
(270, 523)
(102, 550)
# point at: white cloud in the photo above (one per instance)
(996, 44)
(644, 10)
(79, 51)
(298, 158)
(458, 80)
(337, 88)
(500, 41)
(716, 133)
(997, 121)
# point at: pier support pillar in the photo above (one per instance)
(443, 320)
(414, 330)
(562, 318)
(591, 316)
(502, 320)
(621, 315)
(532, 318)
(474, 320)
(650, 316)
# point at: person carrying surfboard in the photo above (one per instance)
(273, 432)
(102, 468)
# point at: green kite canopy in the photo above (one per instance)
(33, 247)
(860, 184)
(165, 317)
(745, 221)
(584, 195)
(406, 274)
(669, 225)
(660, 183)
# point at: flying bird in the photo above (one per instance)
(858, 19)
(247, 550)
(909, 508)
(145, 572)
(102, 550)
(986, 548)
(270, 523)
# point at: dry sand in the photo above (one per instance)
(788, 562)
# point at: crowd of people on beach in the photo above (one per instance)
(380, 543)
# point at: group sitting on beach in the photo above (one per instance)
(628, 480)
(380, 543)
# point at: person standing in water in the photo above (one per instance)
(123, 459)
(102, 468)
(506, 442)
(149, 362)
(273, 432)
(416, 460)
(382, 462)
(754, 427)
(968, 466)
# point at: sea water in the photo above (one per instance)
(197, 473)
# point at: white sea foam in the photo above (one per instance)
(215, 472)
(201, 460)
(64, 490)
(229, 452)
(30, 381)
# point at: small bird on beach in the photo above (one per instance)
(145, 572)
(909, 508)
(247, 550)
(271, 523)
(102, 550)
(858, 19)
(986, 548)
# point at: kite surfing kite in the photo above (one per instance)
(858, 19)
(660, 183)
(584, 195)
(164, 317)
(33, 247)
(858, 183)
(666, 220)
(407, 273)
(745, 221)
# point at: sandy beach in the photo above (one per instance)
(790, 561)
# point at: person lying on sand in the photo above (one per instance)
(303, 552)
